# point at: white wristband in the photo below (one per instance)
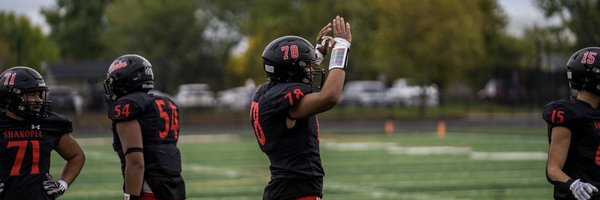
(341, 42)
(339, 55)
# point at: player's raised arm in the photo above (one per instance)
(331, 91)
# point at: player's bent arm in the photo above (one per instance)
(130, 135)
(322, 101)
(70, 151)
(557, 154)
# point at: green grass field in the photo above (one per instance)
(502, 164)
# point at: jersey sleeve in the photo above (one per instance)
(59, 123)
(125, 109)
(558, 114)
(290, 95)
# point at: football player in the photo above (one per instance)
(145, 131)
(29, 134)
(283, 110)
(573, 165)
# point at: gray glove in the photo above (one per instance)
(582, 190)
(54, 188)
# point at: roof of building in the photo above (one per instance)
(89, 69)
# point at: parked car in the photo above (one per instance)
(364, 93)
(504, 91)
(237, 98)
(405, 93)
(65, 99)
(195, 95)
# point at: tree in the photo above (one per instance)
(76, 26)
(183, 39)
(581, 18)
(21, 43)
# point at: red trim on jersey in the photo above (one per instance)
(148, 196)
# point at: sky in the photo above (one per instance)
(522, 13)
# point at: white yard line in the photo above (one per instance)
(394, 149)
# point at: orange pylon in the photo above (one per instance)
(389, 127)
(441, 129)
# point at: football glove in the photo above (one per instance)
(53, 188)
(582, 190)
(1, 186)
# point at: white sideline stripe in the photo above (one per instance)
(212, 170)
(521, 155)
(378, 193)
(429, 150)
(394, 149)
(358, 146)
(105, 157)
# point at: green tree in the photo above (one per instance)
(76, 26)
(183, 39)
(21, 43)
(430, 41)
(268, 20)
(581, 18)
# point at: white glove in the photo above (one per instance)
(582, 190)
(130, 197)
(1, 186)
(54, 188)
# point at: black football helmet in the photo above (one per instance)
(583, 70)
(128, 73)
(15, 83)
(292, 59)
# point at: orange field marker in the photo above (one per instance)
(441, 129)
(389, 127)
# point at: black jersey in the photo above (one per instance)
(25, 149)
(294, 153)
(158, 117)
(583, 158)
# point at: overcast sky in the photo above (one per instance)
(522, 13)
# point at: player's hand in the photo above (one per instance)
(341, 29)
(1, 186)
(324, 42)
(54, 188)
(582, 190)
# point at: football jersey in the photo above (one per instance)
(25, 149)
(293, 153)
(158, 117)
(583, 158)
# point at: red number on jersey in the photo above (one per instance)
(298, 94)
(119, 111)
(558, 116)
(21, 148)
(258, 130)
(597, 158)
(174, 119)
(171, 122)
